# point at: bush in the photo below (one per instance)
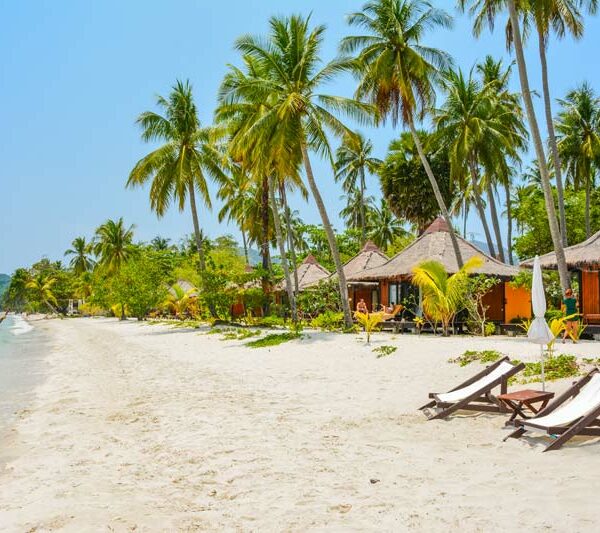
(88, 309)
(559, 367)
(490, 328)
(483, 356)
(273, 339)
(270, 321)
(385, 350)
(328, 321)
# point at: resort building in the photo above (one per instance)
(310, 272)
(394, 277)
(583, 260)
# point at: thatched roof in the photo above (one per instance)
(584, 254)
(310, 272)
(185, 286)
(369, 257)
(435, 244)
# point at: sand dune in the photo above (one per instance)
(146, 428)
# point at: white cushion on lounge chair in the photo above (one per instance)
(461, 394)
(587, 400)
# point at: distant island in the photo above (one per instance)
(4, 282)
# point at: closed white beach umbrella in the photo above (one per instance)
(539, 332)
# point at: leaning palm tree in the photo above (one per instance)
(578, 128)
(41, 286)
(81, 261)
(397, 72)
(284, 76)
(486, 10)
(178, 168)
(113, 245)
(353, 161)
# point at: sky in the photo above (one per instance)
(74, 76)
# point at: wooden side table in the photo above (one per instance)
(524, 399)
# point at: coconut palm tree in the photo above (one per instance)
(178, 300)
(41, 286)
(353, 161)
(81, 261)
(160, 244)
(178, 168)
(486, 11)
(578, 128)
(284, 76)
(397, 72)
(113, 245)
(357, 207)
(384, 227)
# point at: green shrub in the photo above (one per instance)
(490, 328)
(239, 334)
(483, 356)
(273, 339)
(270, 321)
(385, 350)
(553, 314)
(329, 321)
(561, 366)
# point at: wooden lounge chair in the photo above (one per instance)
(575, 412)
(475, 394)
(388, 316)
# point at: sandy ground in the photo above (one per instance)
(146, 428)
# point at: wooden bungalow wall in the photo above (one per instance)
(590, 292)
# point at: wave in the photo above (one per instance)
(20, 326)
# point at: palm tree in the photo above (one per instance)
(397, 73)
(81, 261)
(443, 295)
(578, 129)
(353, 161)
(384, 227)
(41, 286)
(487, 11)
(178, 300)
(113, 245)
(357, 208)
(178, 167)
(290, 118)
(160, 244)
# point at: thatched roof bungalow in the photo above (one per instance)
(310, 272)
(584, 260)
(435, 244)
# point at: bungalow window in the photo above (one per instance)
(394, 293)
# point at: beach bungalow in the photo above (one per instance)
(394, 277)
(369, 257)
(583, 260)
(310, 273)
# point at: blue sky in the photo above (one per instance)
(74, 75)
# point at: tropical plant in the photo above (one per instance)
(178, 300)
(113, 245)
(369, 321)
(443, 295)
(41, 288)
(81, 261)
(178, 167)
(384, 227)
(160, 244)
(477, 288)
(284, 116)
(353, 161)
(357, 205)
(397, 72)
(578, 128)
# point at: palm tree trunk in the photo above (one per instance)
(436, 192)
(495, 221)
(465, 215)
(552, 140)
(197, 235)
(245, 242)
(335, 253)
(290, 236)
(588, 194)
(363, 222)
(480, 209)
(509, 223)
(284, 260)
(539, 147)
(264, 247)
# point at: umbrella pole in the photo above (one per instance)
(543, 376)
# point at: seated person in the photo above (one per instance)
(389, 309)
(361, 306)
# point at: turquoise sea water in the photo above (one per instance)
(21, 367)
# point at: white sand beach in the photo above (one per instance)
(147, 428)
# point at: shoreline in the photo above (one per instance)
(150, 427)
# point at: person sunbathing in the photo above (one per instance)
(361, 306)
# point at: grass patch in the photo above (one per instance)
(483, 356)
(240, 334)
(384, 351)
(273, 339)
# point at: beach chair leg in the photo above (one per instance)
(427, 405)
(514, 435)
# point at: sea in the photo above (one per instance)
(22, 368)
